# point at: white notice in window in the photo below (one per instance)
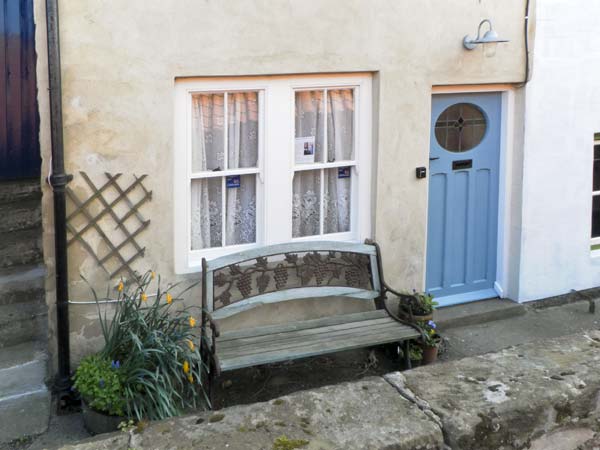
(305, 150)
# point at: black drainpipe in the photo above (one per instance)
(58, 181)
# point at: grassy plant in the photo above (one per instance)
(154, 340)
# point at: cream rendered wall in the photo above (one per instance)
(562, 115)
(120, 61)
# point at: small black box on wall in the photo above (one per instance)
(421, 172)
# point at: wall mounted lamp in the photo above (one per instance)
(490, 37)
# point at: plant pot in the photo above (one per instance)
(96, 422)
(429, 354)
(415, 363)
(417, 318)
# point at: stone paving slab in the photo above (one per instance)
(365, 415)
(507, 399)
(521, 397)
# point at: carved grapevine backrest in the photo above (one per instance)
(292, 270)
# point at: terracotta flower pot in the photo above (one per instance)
(429, 354)
(96, 422)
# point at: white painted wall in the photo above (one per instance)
(562, 114)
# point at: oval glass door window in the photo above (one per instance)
(460, 127)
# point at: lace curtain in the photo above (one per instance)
(208, 154)
(310, 122)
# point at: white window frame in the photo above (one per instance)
(595, 240)
(276, 152)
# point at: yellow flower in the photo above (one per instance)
(191, 378)
(144, 297)
(169, 299)
(153, 275)
(120, 286)
(190, 344)
(186, 367)
(192, 322)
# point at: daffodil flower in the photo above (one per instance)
(186, 367)
(192, 322)
(144, 297)
(190, 344)
(169, 299)
(153, 275)
(191, 378)
(120, 286)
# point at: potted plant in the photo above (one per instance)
(430, 341)
(100, 384)
(150, 356)
(415, 353)
(417, 307)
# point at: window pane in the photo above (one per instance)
(336, 200)
(310, 124)
(597, 167)
(207, 132)
(460, 127)
(596, 216)
(340, 125)
(240, 225)
(242, 129)
(207, 213)
(306, 203)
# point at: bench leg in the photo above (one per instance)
(212, 380)
(407, 355)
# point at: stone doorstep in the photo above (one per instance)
(502, 400)
(477, 312)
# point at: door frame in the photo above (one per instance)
(506, 191)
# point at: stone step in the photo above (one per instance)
(21, 247)
(22, 368)
(17, 191)
(23, 322)
(24, 414)
(477, 312)
(22, 284)
(20, 215)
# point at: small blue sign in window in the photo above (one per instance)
(232, 181)
(343, 172)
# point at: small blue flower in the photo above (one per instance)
(101, 383)
(432, 324)
(115, 364)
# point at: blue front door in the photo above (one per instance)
(463, 197)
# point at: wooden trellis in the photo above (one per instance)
(123, 248)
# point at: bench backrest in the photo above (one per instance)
(298, 270)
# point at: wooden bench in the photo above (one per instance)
(301, 270)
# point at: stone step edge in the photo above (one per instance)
(21, 274)
(40, 390)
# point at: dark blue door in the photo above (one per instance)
(463, 197)
(19, 120)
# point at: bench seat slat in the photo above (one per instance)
(300, 341)
(318, 345)
(353, 327)
(302, 325)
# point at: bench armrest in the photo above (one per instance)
(394, 316)
(216, 329)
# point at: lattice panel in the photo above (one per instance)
(109, 213)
